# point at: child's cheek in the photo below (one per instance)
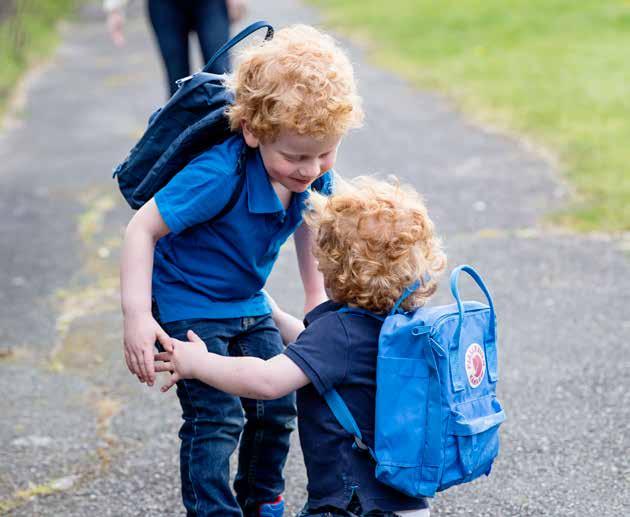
(328, 164)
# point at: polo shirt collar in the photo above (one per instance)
(261, 197)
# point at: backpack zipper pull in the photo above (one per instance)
(183, 80)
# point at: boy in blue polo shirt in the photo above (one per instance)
(373, 239)
(203, 266)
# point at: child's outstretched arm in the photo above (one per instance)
(140, 328)
(289, 326)
(314, 291)
(248, 377)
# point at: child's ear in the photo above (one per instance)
(250, 139)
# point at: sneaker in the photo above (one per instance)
(273, 509)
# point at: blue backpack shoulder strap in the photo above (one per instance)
(359, 310)
(345, 418)
(337, 404)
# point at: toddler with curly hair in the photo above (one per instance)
(373, 239)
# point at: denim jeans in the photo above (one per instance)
(213, 421)
(174, 20)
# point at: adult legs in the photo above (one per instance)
(212, 25)
(171, 23)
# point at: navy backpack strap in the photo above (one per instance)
(240, 171)
(237, 39)
(345, 418)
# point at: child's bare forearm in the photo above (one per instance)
(289, 326)
(312, 279)
(143, 232)
(248, 377)
(136, 270)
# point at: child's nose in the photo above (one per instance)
(312, 170)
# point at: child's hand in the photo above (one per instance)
(289, 326)
(141, 333)
(275, 309)
(236, 9)
(182, 359)
(115, 27)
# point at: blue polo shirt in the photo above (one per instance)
(339, 350)
(215, 268)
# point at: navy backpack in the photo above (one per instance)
(192, 121)
(437, 413)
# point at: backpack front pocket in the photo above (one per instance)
(474, 427)
(401, 413)
(401, 410)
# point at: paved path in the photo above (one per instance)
(77, 427)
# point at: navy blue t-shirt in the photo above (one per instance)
(339, 350)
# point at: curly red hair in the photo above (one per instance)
(373, 239)
(299, 81)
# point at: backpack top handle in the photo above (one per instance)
(490, 344)
(237, 39)
(477, 278)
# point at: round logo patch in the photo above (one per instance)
(475, 364)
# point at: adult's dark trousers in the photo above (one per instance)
(213, 421)
(174, 20)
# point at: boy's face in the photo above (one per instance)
(295, 161)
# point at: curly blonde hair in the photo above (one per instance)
(373, 239)
(299, 81)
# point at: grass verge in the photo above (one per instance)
(555, 70)
(27, 33)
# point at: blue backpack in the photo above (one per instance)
(437, 414)
(192, 121)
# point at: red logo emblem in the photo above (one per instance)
(475, 364)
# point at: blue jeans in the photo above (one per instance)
(174, 20)
(213, 421)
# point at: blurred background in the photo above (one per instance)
(554, 71)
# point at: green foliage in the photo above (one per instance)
(556, 70)
(27, 32)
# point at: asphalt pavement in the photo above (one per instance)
(80, 437)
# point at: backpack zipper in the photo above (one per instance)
(444, 317)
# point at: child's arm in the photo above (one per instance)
(140, 328)
(248, 377)
(314, 291)
(289, 326)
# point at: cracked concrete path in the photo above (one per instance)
(80, 437)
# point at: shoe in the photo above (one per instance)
(273, 509)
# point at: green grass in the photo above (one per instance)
(27, 33)
(557, 71)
